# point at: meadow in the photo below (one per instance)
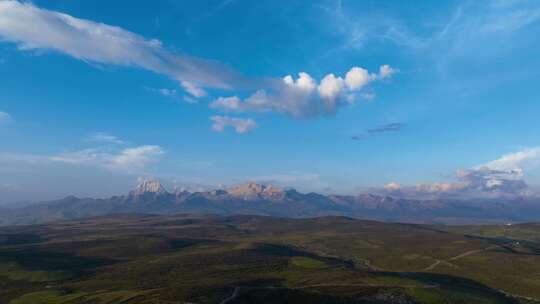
(256, 259)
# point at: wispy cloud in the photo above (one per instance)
(34, 28)
(124, 160)
(468, 24)
(5, 118)
(391, 127)
(8, 187)
(104, 138)
(193, 90)
(167, 92)
(240, 125)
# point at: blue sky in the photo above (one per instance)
(437, 97)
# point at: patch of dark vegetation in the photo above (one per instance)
(290, 251)
(19, 239)
(10, 289)
(453, 283)
(295, 296)
(34, 260)
(184, 243)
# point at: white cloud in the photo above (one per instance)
(500, 177)
(515, 161)
(356, 78)
(510, 17)
(193, 89)
(125, 160)
(137, 157)
(5, 118)
(167, 92)
(104, 138)
(304, 82)
(393, 186)
(33, 28)
(385, 71)
(232, 104)
(240, 125)
(303, 96)
(330, 90)
(190, 99)
(471, 27)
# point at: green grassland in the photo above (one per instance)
(254, 259)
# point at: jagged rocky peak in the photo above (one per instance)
(181, 190)
(253, 190)
(149, 186)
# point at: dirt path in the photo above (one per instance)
(232, 297)
(457, 257)
(432, 266)
(462, 255)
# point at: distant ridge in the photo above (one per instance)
(150, 197)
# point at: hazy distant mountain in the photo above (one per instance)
(253, 198)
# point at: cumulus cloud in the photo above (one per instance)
(385, 71)
(503, 177)
(34, 28)
(104, 138)
(303, 96)
(471, 183)
(356, 78)
(485, 179)
(126, 160)
(238, 124)
(5, 118)
(516, 160)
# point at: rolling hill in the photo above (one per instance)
(257, 259)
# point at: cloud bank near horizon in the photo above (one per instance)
(502, 177)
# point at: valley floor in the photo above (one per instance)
(255, 259)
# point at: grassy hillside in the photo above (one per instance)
(252, 259)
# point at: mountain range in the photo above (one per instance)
(150, 197)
